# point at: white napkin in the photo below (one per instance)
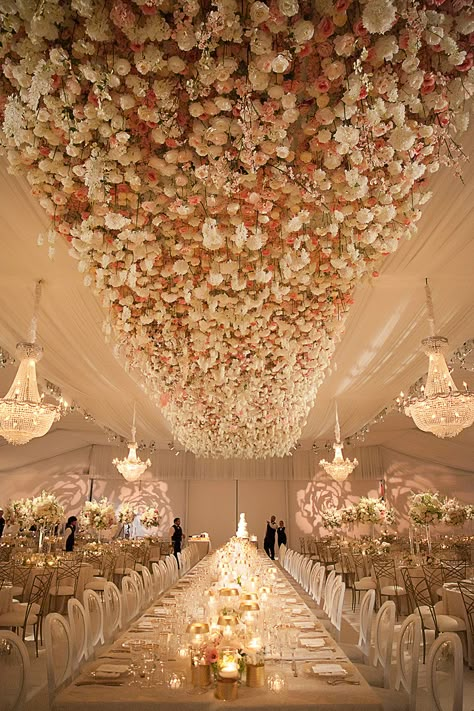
(304, 624)
(329, 669)
(291, 599)
(313, 654)
(313, 642)
(160, 611)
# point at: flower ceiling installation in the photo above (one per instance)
(226, 172)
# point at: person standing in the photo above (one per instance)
(269, 540)
(176, 535)
(69, 532)
(281, 534)
(2, 522)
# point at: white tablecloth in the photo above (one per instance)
(305, 693)
(203, 545)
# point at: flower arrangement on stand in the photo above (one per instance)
(150, 518)
(126, 515)
(46, 511)
(18, 512)
(279, 153)
(454, 512)
(425, 509)
(331, 518)
(98, 515)
(348, 515)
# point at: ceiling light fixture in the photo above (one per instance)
(23, 413)
(441, 408)
(340, 468)
(132, 467)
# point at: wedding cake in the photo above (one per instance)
(242, 530)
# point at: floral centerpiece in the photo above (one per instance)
(126, 513)
(425, 509)
(150, 518)
(454, 513)
(219, 168)
(348, 514)
(18, 512)
(331, 518)
(46, 511)
(371, 510)
(99, 515)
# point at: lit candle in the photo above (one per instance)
(229, 670)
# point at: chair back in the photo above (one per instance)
(130, 598)
(335, 613)
(319, 583)
(113, 610)
(328, 590)
(445, 697)
(408, 657)
(454, 570)
(282, 554)
(366, 614)
(14, 671)
(383, 637)
(59, 652)
(148, 585)
(79, 632)
(94, 612)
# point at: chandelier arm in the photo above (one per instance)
(430, 309)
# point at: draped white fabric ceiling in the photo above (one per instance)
(378, 356)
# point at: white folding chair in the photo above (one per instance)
(79, 632)
(445, 696)
(113, 610)
(59, 653)
(383, 640)
(94, 612)
(14, 672)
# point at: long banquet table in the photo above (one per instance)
(306, 691)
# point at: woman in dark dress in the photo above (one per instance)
(281, 534)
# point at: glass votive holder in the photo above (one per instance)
(176, 681)
(277, 684)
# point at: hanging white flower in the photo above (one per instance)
(378, 16)
(212, 239)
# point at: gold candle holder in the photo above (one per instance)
(200, 675)
(255, 675)
(227, 689)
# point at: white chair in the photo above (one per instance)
(328, 591)
(113, 611)
(138, 580)
(448, 698)
(360, 652)
(14, 672)
(79, 632)
(148, 585)
(319, 584)
(59, 653)
(383, 641)
(282, 554)
(130, 599)
(407, 661)
(94, 612)
(157, 579)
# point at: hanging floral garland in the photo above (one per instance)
(226, 173)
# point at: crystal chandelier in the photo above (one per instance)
(441, 408)
(23, 413)
(340, 468)
(132, 467)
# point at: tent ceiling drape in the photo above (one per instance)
(378, 356)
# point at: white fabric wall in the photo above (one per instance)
(214, 505)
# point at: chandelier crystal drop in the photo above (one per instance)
(132, 467)
(23, 413)
(441, 408)
(340, 468)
